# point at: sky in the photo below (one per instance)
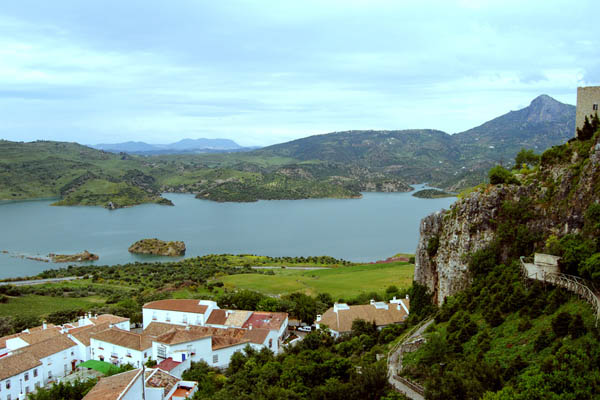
(265, 72)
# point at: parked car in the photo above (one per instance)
(305, 328)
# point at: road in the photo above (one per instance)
(41, 281)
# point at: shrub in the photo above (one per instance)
(560, 324)
(499, 175)
(577, 327)
(433, 245)
(542, 341)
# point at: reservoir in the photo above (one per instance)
(372, 228)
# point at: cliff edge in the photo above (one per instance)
(546, 200)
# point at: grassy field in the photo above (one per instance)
(44, 305)
(339, 282)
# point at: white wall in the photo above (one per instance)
(105, 349)
(55, 364)
(136, 389)
(202, 349)
(18, 384)
(171, 317)
(224, 355)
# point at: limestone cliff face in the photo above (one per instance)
(560, 192)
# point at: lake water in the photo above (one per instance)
(372, 228)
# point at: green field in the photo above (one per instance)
(34, 305)
(339, 282)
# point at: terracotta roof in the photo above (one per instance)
(168, 364)
(49, 346)
(31, 330)
(257, 336)
(108, 318)
(17, 363)
(123, 338)
(160, 379)
(172, 334)
(266, 320)
(217, 317)
(183, 305)
(155, 329)
(39, 335)
(84, 333)
(113, 387)
(237, 318)
(342, 320)
(220, 342)
(183, 335)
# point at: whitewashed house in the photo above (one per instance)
(82, 337)
(178, 311)
(339, 318)
(88, 320)
(124, 386)
(120, 347)
(153, 384)
(20, 373)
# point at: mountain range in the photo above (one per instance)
(183, 146)
(338, 164)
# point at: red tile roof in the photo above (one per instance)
(113, 387)
(183, 305)
(266, 320)
(168, 364)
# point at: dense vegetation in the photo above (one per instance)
(507, 338)
(432, 194)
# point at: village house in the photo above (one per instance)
(339, 318)
(20, 373)
(178, 311)
(588, 99)
(151, 384)
(119, 347)
(173, 344)
(88, 320)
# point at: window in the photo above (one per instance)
(153, 315)
(26, 389)
(270, 343)
(35, 373)
(26, 376)
(595, 107)
(72, 353)
(49, 374)
(145, 355)
(215, 358)
(8, 384)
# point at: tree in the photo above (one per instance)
(560, 324)
(526, 157)
(499, 175)
(589, 127)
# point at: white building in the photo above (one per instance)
(20, 373)
(178, 311)
(120, 347)
(154, 384)
(88, 320)
(339, 318)
(58, 356)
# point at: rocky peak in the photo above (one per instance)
(544, 109)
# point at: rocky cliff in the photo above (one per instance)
(554, 197)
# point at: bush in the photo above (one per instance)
(577, 327)
(499, 175)
(526, 157)
(542, 341)
(561, 323)
(432, 246)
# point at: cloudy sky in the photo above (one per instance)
(263, 72)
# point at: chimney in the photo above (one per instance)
(110, 326)
(407, 297)
(319, 317)
(250, 326)
(187, 327)
(44, 326)
(372, 302)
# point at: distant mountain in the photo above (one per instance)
(183, 146)
(436, 157)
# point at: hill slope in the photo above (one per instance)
(435, 156)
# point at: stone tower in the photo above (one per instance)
(588, 99)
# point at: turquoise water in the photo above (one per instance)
(374, 227)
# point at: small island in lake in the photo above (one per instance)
(158, 247)
(432, 194)
(84, 256)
